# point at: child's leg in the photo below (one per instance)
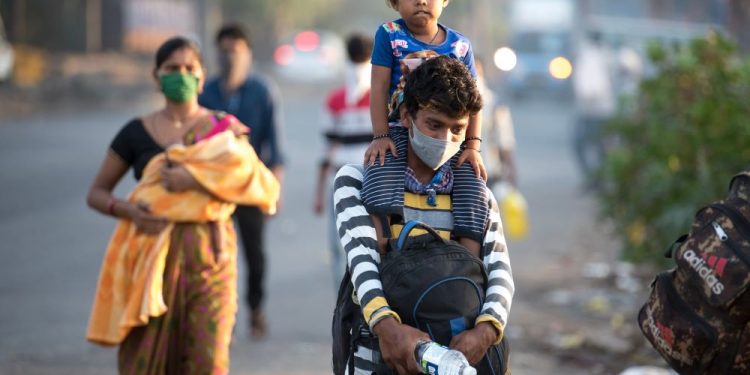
(470, 209)
(471, 245)
(383, 185)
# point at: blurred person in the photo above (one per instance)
(439, 97)
(348, 133)
(418, 31)
(498, 135)
(629, 71)
(255, 101)
(167, 289)
(595, 100)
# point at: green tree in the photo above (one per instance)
(677, 149)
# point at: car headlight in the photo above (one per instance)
(505, 59)
(560, 68)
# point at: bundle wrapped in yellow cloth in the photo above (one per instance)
(129, 291)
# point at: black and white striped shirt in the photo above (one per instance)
(359, 240)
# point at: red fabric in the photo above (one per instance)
(337, 101)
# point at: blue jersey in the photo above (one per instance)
(393, 42)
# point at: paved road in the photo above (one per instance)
(53, 244)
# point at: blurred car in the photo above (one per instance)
(310, 56)
(7, 56)
(539, 52)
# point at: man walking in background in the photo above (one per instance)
(254, 100)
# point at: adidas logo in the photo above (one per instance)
(707, 270)
(664, 338)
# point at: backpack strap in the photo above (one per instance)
(738, 186)
(670, 251)
(411, 225)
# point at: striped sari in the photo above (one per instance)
(169, 300)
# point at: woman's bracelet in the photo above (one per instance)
(111, 206)
(379, 136)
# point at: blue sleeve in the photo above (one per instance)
(382, 53)
(469, 61)
(272, 117)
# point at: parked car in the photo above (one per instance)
(7, 57)
(310, 56)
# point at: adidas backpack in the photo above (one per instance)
(698, 313)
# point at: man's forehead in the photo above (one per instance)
(432, 115)
(234, 43)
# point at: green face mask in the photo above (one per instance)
(179, 87)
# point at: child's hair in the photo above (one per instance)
(443, 85)
(424, 55)
(359, 48)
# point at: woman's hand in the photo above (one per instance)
(377, 150)
(176, 179)
(472, 156)
(145, 221)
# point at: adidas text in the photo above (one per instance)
(704, 271)
(661, 342)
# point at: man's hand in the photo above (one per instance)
(397, 344)
(475, 342)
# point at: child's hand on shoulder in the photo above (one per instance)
(474, 158)
(377, 150)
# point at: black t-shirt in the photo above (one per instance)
(135, 146)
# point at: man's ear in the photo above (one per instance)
(445, 3)
(404, 115)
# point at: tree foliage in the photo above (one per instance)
(679, 145)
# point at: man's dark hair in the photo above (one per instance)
(233, 31)
(359, 48)
(442, 84)
(174, 44)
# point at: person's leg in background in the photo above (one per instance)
(250, 221)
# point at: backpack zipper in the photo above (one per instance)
(740, 225)
(719, 231)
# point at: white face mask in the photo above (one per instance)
(433, 152)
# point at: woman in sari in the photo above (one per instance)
(167, 288)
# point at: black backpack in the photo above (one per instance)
(434, 285)
(698, 314)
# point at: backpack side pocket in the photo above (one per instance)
(685, 340)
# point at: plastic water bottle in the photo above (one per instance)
(435, 359)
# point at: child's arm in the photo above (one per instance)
(381, 143)
(473, 143)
